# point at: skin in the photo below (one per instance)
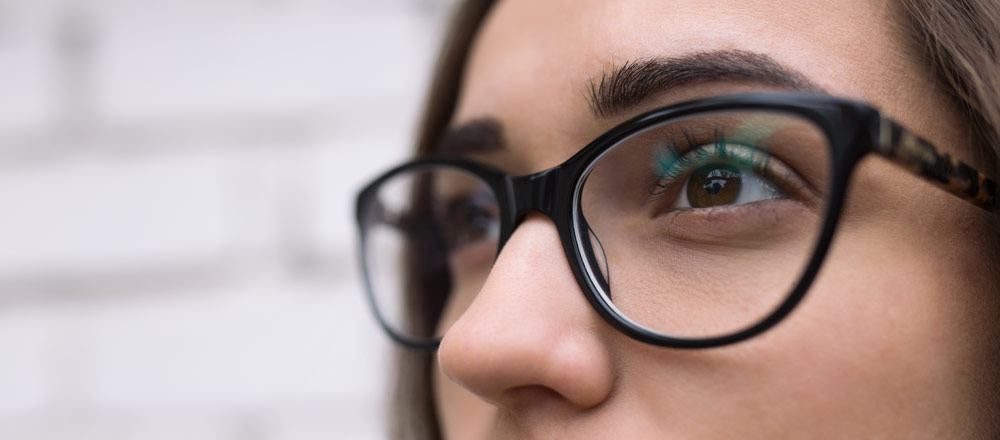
(895, 339)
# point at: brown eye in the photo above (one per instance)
(714, 185)
(727, 175)
(470, 218)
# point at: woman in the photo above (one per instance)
(716, 264)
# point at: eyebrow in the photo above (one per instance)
(482, 135)
(628, 85)
(634, 82)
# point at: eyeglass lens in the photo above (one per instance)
(431, 239)
(701, 227)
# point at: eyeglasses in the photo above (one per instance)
(691, 226)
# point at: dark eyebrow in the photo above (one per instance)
(633, 82)
(483, 135)
(628, 85)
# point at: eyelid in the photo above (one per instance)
(675, 166)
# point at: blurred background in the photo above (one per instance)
(176, 233)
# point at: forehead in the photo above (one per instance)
(533, 60)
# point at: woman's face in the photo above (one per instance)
(896, 337)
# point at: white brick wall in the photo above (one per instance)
(176, 186)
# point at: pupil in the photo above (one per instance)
(714, 185)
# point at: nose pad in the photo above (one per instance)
(597, 257)
(601, 257)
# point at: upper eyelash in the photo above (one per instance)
(671, 166)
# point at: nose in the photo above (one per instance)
(529, 329)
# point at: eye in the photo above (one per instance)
(720, 185)
(726, 174)
(469, 218)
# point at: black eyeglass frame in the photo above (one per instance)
(853, 129)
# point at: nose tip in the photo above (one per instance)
(530, 328)
(504, 374)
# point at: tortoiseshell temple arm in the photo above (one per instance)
(922, 158)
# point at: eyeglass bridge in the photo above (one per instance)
(534, 192)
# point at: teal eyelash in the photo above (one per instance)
(671, 166)
(666, 159)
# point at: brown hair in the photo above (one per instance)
(413, 415)
(957, 40)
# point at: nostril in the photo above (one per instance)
(522, 398)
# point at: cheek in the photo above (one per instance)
(890, 338)
(886, 331)
(879, 314)
(899, 329)
(912, 272)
